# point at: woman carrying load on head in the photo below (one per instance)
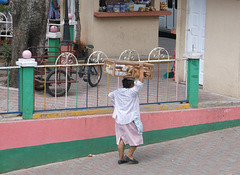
(128, 125)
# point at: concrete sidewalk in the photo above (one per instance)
(213, 153)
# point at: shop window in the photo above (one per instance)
(101, 2)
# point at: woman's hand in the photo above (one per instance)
(141, 76)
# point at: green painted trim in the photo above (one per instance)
(71, 29)
(18, 158)
(8, 90)
(21, 89)
(181, 132)
(27, 92)
(54, 52)
(193, 82)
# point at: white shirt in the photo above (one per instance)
(126, 103)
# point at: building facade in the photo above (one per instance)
(221, 45)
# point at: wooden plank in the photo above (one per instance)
(128, 69)
(131, 14)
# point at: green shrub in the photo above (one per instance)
(7, 52)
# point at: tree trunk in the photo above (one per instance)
(29, 29)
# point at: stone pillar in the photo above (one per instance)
(193, 78)
(26, 84)
(54, 46)
(71, 28)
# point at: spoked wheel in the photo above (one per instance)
(39, 74)
(39, 86)
(94, 75)
(60, 83)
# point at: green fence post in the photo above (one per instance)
(72, 23)
(54, 46)
(71, 28)
(26, 85)
(20, 89)
(193, 79)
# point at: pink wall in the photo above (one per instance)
(15, 134)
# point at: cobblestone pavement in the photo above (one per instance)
(213, 153)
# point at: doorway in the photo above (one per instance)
(195, 31)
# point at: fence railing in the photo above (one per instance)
(6, 25)
(81, 95)
(84, 86)
(9, 96)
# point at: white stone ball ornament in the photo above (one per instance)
(26, 60)
(27, 54)
(70, 16)
(53, 29)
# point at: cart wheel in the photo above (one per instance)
(61, 83)
(94, 75)
(39, 74)
(39, 86)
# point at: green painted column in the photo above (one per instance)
(54, 46)
(72, 23)
(26, 86)
(20, 89)
(193, 82)
(71, 28)
(28, 92)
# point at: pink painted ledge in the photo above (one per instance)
(16, 134)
